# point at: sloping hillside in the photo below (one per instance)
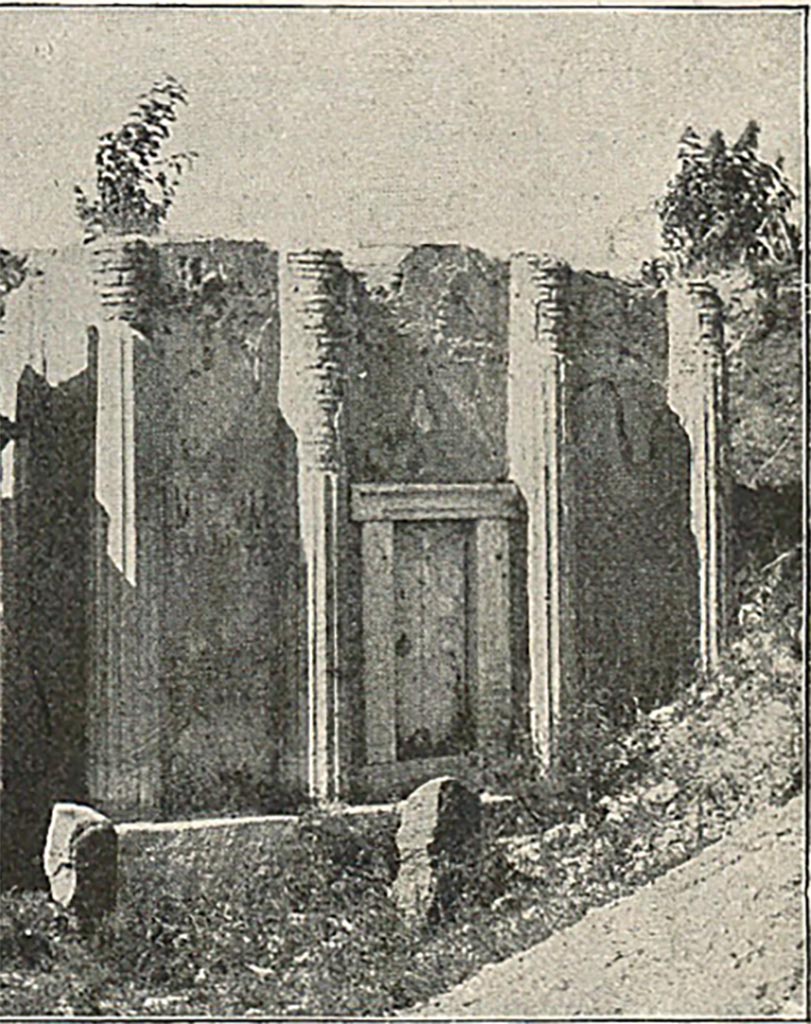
(722, 935)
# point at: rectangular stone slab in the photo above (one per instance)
(185, 857)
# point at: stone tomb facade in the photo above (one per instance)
(270, 536)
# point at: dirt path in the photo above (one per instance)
(721, 935)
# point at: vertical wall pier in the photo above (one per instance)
(710, 472)
(536, 445)
(698, 393)
(124, 771)
(315, 300)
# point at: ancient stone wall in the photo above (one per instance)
(150, 559)
(427, 388)
(46, 388)
(426, 399)
(635, 561)
(265, 529)
(46, 528)
(603, 466)
(217, 470)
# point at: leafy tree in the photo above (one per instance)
(135, 184)
(726, 216)
(726, 208)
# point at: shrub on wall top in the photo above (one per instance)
(135, 184)
(726, 207)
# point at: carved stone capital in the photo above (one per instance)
(545, 282)
(709, 310)
(316, 334)
(115, 265)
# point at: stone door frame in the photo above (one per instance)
(489, 507)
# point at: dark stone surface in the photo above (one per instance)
(221, 462)
(95, 862)
(636, 570)
(46, 657)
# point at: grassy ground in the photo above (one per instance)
(315, 931)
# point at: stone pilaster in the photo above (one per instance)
(114, 276)
(315, 331)
(536, 445)
(124, 767)
(698, 393)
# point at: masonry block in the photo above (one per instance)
(80, 861)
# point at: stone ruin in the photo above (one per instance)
(270, 535)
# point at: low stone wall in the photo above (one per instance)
(181, 859)
(95, 868)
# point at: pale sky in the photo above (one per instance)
(541, 130)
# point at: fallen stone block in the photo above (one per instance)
(80, 860)
(439, 842)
